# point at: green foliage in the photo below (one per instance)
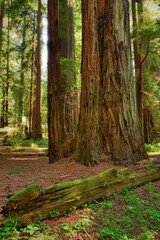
(153, 147)
(136, 212)
(18, 141)
(54, 213)
(9, 231)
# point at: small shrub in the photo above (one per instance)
(148, 147)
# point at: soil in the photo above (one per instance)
(23, 167)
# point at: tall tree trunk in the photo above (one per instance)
(74, 93)
(55, 93)
(119, 125)
(8, 65)
(88, 147)
(37, 131)
(23, 46)
(32, 79)
(137, 60)
(67, 49)
(2, 124)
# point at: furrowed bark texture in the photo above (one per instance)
(35, 203)
(119, 126)
(55, 96)
(88, 147)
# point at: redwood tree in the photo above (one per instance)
(119, 130)
(67, 50)
(88, 147)
(55, 93)
(22, 77)
(119, 123)
(36, 125)
(32, 79)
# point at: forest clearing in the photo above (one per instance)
(80, 119)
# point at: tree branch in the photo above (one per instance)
(146, 53)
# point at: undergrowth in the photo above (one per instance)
(132, 215)
(152, 147)
(18, 142)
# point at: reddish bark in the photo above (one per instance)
(119, 125)
(88, 147)
(36, 126)
(55, 93)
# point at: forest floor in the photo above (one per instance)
(20, 167)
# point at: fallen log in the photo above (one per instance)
(35, 203)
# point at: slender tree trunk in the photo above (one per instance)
(67, 49)
(137, 60)
(37, 131)
(119, 125)
(1, 27)
(32, 79)
(74, 92)
(88, 147)
(3, 84)
(22, 73)
(55, 93)
(148, 124)
(8, 65)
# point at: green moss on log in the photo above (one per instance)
(109, 174)
(26, 195)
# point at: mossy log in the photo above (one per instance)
(35, 203)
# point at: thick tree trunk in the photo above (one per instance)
(119, 125)
(88, 147)
(37, 131)
(55, 93)
(36, 204)
(2, 124)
